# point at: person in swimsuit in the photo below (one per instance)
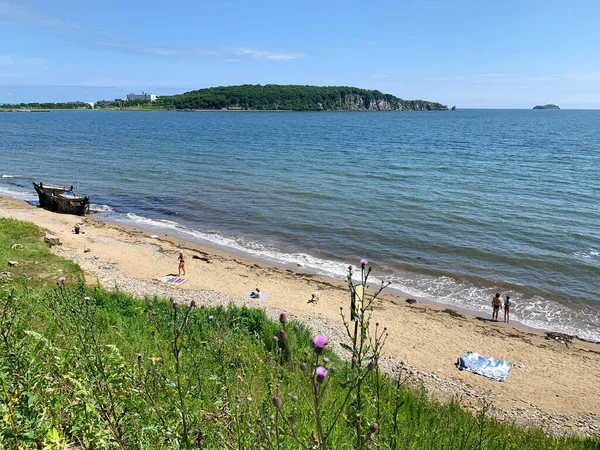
(181, 264)
(496, 303)
(255, 294)
(507, 305)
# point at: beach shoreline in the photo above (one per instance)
(556, 389)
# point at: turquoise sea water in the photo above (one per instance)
(450, 206)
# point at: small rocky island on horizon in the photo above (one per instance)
(548, 106)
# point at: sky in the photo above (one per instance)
(472, 54)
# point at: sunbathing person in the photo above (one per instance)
(255, 294)
(315, 297)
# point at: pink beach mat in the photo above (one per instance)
(172, 280)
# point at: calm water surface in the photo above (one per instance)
(450, 206)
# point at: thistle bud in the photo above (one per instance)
(276, 402)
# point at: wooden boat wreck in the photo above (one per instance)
(61, 199)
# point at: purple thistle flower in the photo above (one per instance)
(87, 299)
(364, 262)
(283, 336)
(282, 318)
(139, 356)
(62, 279)
(319, 343)
(211, 318)
(374, 427)
(321, 374)
(276, 402)
(372, 364)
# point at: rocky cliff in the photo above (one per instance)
(294, 98)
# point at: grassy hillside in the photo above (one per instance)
(21, 242)
(97, 370)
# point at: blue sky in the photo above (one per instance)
(501, 54)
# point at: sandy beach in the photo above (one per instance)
(555, 385)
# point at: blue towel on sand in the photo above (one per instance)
(262, 297)
(497, 369)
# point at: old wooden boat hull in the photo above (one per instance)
(60, 199)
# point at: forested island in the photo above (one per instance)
(249, 97)
(548, 106)
(294, 98)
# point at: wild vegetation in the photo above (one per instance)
(47, 105)
(293, 98)
(81, 367)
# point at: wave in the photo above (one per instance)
(101, 208)
(325, 267)
(531, 310)
(21, 195)
(590, 253)
(11, 176)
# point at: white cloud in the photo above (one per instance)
(269, 55)
(155, 50)
(117, 83)
(12, 12)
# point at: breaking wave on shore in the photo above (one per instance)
(531, 310)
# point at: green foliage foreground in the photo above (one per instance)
(114, 372)
(91, 369)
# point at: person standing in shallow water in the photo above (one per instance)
(181, 264)
(496, 303)
(507, 305)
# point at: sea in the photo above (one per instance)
(450, 207)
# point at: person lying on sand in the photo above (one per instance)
(315, 297)
(255, 294)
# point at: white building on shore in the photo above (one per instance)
(143, 96)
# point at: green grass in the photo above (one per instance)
(116, 372)
(22, 242)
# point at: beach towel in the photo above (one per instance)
(261, 297)
(173, 280)
(496, 369)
